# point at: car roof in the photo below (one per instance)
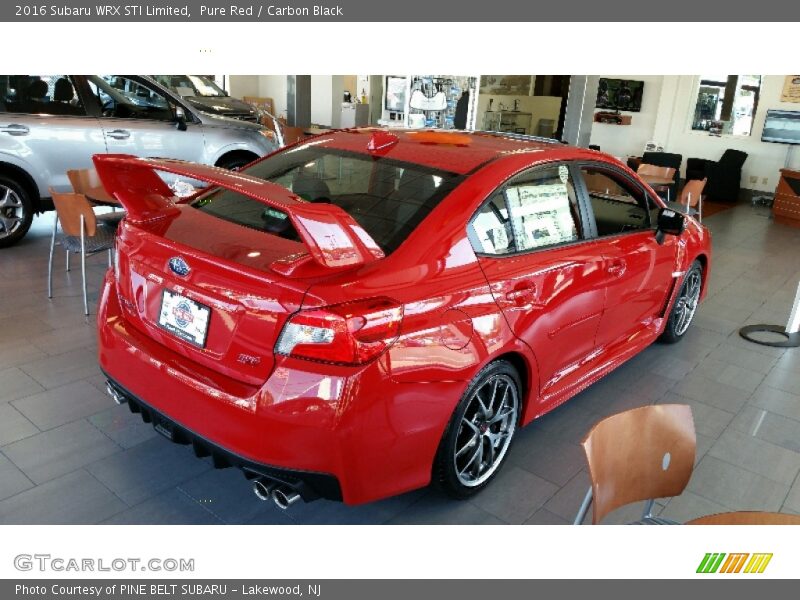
(458, 152)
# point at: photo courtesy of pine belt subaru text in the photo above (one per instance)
(368, 312)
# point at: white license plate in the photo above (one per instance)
(184, 318)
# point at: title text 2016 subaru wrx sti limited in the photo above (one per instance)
(367, 311)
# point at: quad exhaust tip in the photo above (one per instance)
(112, 391)
(284, 497)
(263, 488)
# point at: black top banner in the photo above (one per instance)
(402, 11)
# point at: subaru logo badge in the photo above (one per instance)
(178, 266)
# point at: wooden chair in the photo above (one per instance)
(81, 233)
(692, 198)
(87, 182)
(647, 170)
(747, 517)
(640, 454)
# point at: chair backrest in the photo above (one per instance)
(663, 159)
(69, 208)
(733, 159)
(640, 454)
(87, 182)
(691, 192)
(656, 171)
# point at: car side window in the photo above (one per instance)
(534, 210)
(618, 204)
(40, 95)
(491, 227)
(124, 98)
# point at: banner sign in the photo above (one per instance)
(396, 589)
(406, 11)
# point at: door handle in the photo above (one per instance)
(617, 268)
(15, 129)
(119, 134)
(522, 294)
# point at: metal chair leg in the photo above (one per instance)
(110, 256)
(700, 209)
(50, 260)
(67, 259)
(587, 500)
(648, 509)
(83, 266)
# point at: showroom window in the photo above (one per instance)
(619, 206)
(726, 104)
(535, 210)
(39, 94)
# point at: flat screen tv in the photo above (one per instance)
(782, 127)
(620, 94)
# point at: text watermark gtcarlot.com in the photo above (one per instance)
(57, 564)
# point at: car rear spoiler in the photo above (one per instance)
(333, 238)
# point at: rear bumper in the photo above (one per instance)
(343, 433)
(310, 485)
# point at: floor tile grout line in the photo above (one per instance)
(24, 474)
(24, 416)
(127, 505)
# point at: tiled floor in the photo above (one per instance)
(68, 455)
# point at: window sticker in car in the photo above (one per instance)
(563, 173)
(541, 215)
(491, 232)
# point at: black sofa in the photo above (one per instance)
(724, 175)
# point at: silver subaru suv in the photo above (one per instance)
(52, 123)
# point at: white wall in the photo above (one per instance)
(667, 107)
(321, 99)
(261, 86)
(629, 140)
(673, 130)
(243, 85)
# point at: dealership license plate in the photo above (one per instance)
(184, 318)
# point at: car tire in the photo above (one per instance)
(476, 442)
(16, 211)
(685, 305)
(236, 161)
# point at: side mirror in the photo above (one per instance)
(180, 119)
(670, 222)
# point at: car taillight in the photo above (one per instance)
(353, 333)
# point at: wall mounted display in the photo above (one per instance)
(782, 127)
(620, 94)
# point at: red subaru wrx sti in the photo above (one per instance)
(367, 311)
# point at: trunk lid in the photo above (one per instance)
(246, 303)
(210, 290)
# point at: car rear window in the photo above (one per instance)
(389, 199)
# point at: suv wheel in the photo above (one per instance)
(476, 441)
(16, 212)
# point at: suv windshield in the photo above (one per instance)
(191, 85)
(386, 197)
